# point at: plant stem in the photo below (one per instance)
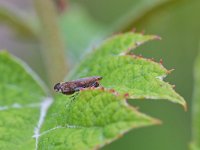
(53, 46)
(196, 103)
(23, 28)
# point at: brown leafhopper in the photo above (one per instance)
(73, 86)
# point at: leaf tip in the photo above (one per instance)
(140, 56)
(173, 86)
(157, 122)
(161, 61)
(156, 37)
(126, 95)
(133, 30)
(183, 103)
(152, 59)
(185, 107)
(170, 71)
(113, 91)
(138, 43)
(102, 88)
(143, 32)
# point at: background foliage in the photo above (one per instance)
(176, 21)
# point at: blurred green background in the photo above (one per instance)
(83, 24)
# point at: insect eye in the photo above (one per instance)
(99, 77)
(57, 87)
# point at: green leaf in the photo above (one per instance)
(20, 98)
(95, 118)
(126, 73)
(196, 106)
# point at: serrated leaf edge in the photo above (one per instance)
(153, 120)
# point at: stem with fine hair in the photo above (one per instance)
(52, 43)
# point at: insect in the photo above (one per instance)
(73, 86)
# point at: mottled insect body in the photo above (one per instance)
(71, 87)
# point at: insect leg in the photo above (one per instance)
(74, 96)
(95, 84)
(76, 92)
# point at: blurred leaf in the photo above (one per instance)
(196, 106)
(143, 9)
(194, 147)
(124, 14)
(20, 98)
(22, 28)
(95, 118)
(80, 31)
(126, 73)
